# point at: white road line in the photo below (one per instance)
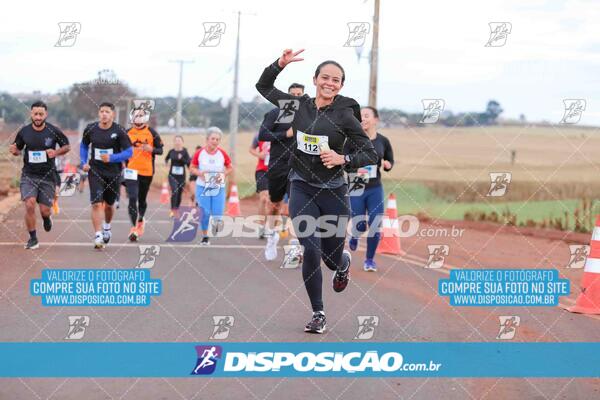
(114, 221)
(162, 244)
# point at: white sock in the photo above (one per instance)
(106, 226)
(98, 233)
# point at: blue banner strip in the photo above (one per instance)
(182, 359)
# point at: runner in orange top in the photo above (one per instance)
(138, 175)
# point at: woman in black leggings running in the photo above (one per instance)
(322, 125)
(180, 160)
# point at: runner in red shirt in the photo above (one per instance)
(260, 150)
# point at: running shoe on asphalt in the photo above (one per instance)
(342, 275)
(140, 227)
(370, 266)
(32, 244)
(316, 324)
(205, 241)
(353, 243)
(271, 247)
(47, 223)
(133, 234)
(106, 235)
(99, 241)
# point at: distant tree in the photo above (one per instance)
(13, 110)
(85, 97)
(491, 114)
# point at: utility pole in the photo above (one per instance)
(178, 114)
(374, 52)
(234, 115)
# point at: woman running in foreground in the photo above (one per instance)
(318, 189)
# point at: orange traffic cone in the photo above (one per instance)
(392, 207)
(164, 194)
(233, 206)
(390, 237)
(588, 301)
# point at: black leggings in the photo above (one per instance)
(177, 184)
(307, 201)
(137, 192)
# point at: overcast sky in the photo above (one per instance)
(428, 49)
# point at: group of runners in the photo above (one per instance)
(307, 158)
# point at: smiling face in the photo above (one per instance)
(328, 82)
(369, 120)
(38, 116)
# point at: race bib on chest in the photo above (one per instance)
(98, 153)
(130, 174)
(372, 170)
(37, 157)
(310, 144)
(177, 170)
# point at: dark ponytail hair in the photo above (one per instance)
(324, 63)
(375, 112)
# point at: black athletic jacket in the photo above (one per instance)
(281, 145)
(339, 121)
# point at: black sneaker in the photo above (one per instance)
(342, 275)
(47, 224)
(316, 324)
(205, 241)
(32, 244)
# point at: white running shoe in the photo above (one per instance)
(271, 247)
(106, 235)
(99, 242)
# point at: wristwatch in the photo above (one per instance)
(347, 159)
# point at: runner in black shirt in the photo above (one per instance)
(38, 141)
(107, 145)
(322, 125)
(180, 160)
(281, 136)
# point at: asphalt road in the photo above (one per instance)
(268, 304)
